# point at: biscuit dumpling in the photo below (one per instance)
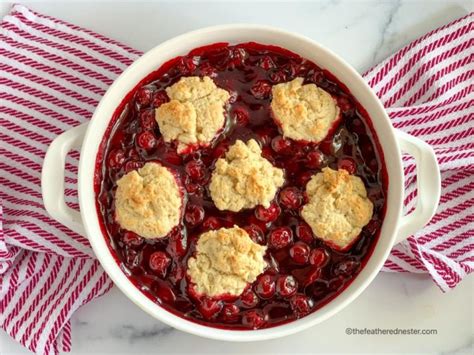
(244, 179)
(148, 201)
(304, 112)
(226, 261)
(338, 207)
(195, 113)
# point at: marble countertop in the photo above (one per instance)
(362, 32)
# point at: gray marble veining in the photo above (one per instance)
(134, 333)
(386, 28)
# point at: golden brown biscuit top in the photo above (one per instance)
(338, 207)
(226, 261)
(195, 112)
(304, 112)
(148, 201)
(244, 179)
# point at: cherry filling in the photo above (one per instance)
(303, 273)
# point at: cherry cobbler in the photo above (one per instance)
(240, 186)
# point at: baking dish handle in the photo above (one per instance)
(428, 185)
(52, 178)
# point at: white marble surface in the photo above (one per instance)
(363, 32)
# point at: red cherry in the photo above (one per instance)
(132, 153)
(132, 165)
(230, 312)
(300, 252)
(292, 167)
(344, 104)
(291, 70)
(159, 263)
(317, 77)
(347, 164)
(115, 159)
(209, 308)
(304, 233)
(372, 227)
(266, 63)
(320, 290)
(346, 267)
(131, 258)
(261, 89)
(146, 140)
(194, 214)
(301, 149)
(307, 275)
(207, 69)
(220, 150)
(192, 187)
(147, 119)
(291, 197)
(265, 136)
(211, 223)
(277, 76)
(280, 237)
(302, 69)
(195, 169)
(193, 293)
(358, 126)
(336, 283)
(287, 286)
(178, 243)
(301, 304)
(144, 96)
(269, 214)
(265, 287)
(228, 220)
(281, 145)
(238, 56)
(314, 159)
(220, 56)
(186, 66)
(241, 116)
(132, 239)
(249, 299)
(165, 294)
(253, 319)
(255, 233)
(305, 177)
(312, 275)
(318, 257)
(160, 98)
(267, 154)
(172, 158)
(366, 147)
(326, 146)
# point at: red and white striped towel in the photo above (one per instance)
(53, 75)
(427, 89)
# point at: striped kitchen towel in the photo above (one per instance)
(52, 77)
(427, 89)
